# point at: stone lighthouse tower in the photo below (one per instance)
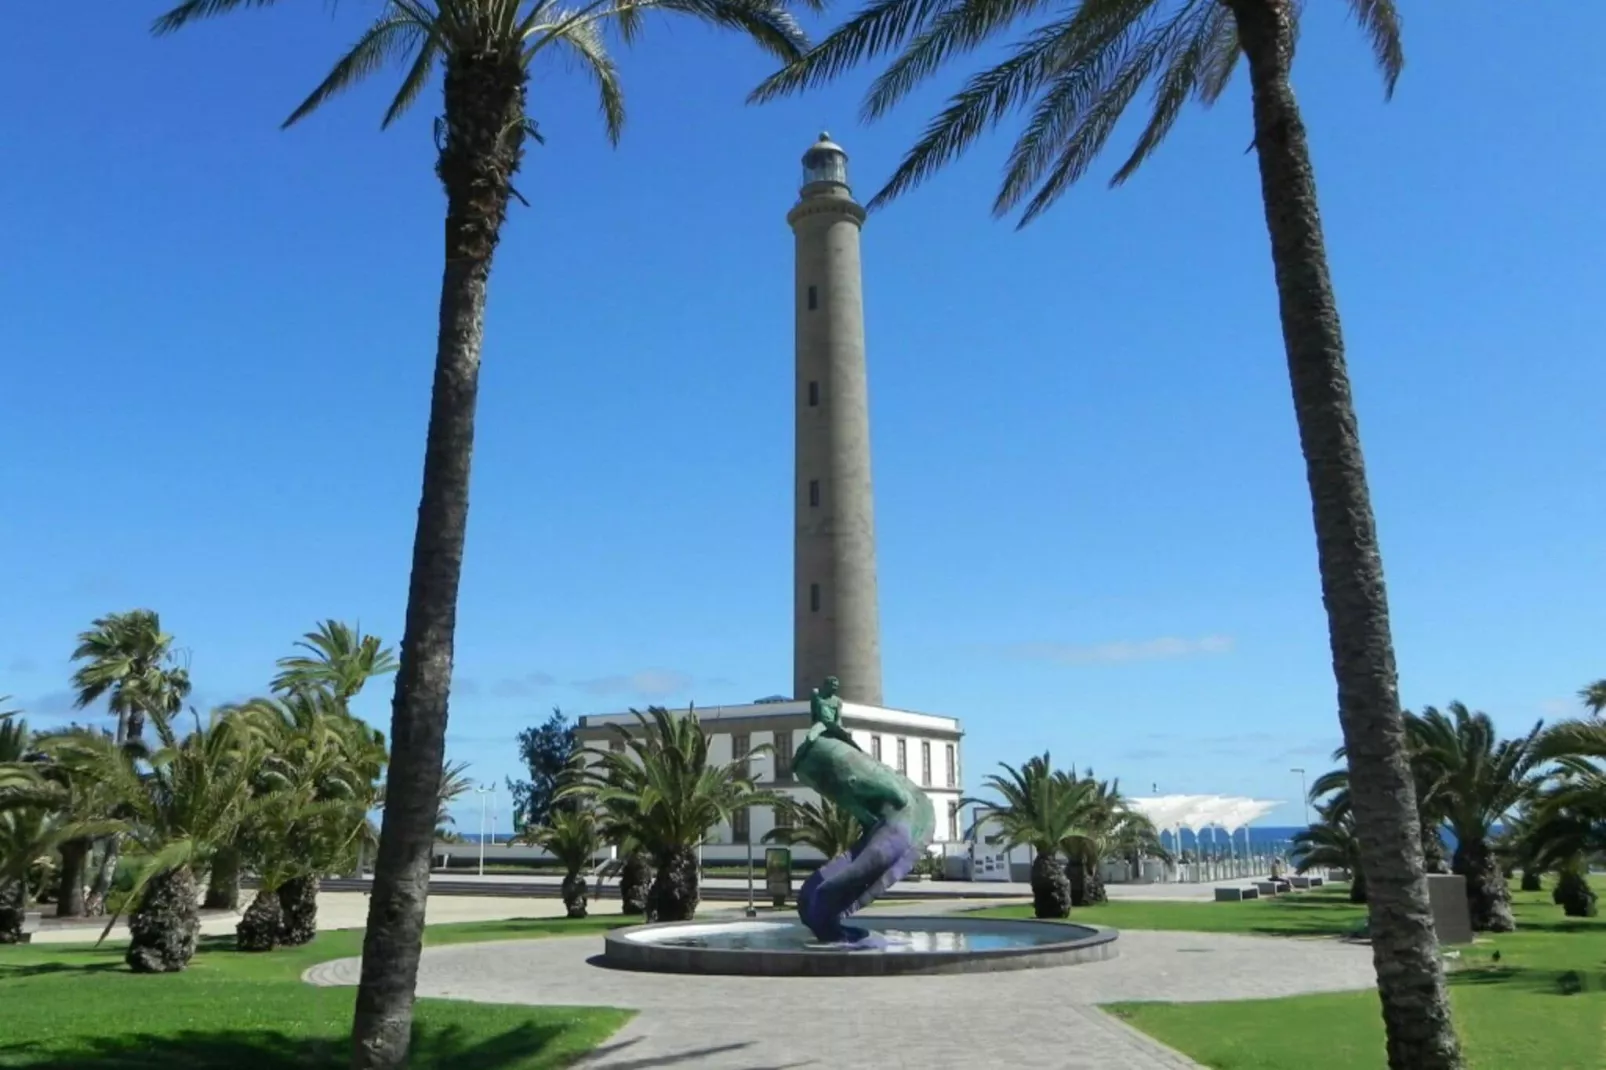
(836, 627)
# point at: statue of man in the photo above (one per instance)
(825, 710)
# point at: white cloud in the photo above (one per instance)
(1123, 651)
(649, 683)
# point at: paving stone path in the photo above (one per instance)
(1022, 1020)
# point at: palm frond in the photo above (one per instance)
(393, 37)
(1380, 20)
(193, 10)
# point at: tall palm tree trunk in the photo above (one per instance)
(1416, 1011)
(483, 142)
(70, 886)
(105, 876)
(223, 880)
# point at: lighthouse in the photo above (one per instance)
(836, 618)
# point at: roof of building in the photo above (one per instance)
(851, 711)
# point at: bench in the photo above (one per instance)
(1283, 886)
(30, 925)
(1305, 882)
(1236, 895)
(1266, 887)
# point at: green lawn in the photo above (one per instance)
(1323, 912)
(1542, 1004)
(70, 1007)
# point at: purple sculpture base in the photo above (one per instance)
(850, 882)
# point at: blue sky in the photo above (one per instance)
(1094, 529)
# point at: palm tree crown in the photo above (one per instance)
(129, 658)
(339, 658)
(1076, 70)
(419, 34)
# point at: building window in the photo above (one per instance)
(783, 815)
(741, 826)
(875, 747)
(903, 756)
(814, 299)
(616, 745)
(814, 598)
(814, 394)
(953, 821)
(925, 762)
(814, 493)
(741, 746)
(953, 766)
(783, 755)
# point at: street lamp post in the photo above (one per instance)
(752, 911)
(1303, 793)
(484, 791)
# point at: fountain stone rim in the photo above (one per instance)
(624, 948)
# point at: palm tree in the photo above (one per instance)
(1105, 827)
(1330, 843)
(340, 659)
(315, 784)
(1594, 697)
(1481, 778)
(824, 826)
(485, 49)
(315, 692)
(1076, 71)
(129, 660)
(1037, 808)
(1430, 803)
(662, 792)
(1568, 820)
(188, 797)
(573, 837)
(454, 784)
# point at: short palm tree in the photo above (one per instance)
(1105, 827)
(1035, 808)
(1481, 779)
(1567, 823)
(485, 50)
(189, 796)
(664, 793)
(29, 838)
(572, 836)
(315, 690)
(1430, 802)
(314, 786)
(1330, 843)
(1075, 68)
(824, 826)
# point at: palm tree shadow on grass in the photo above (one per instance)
(1540, 982)
(271, 1050)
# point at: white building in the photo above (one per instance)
(924, 747)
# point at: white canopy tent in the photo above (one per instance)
(1199, 812)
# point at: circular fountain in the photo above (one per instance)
(884, 945)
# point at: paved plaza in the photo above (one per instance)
(1024, 1020)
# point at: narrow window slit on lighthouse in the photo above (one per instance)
(814, 598)
(814, 299)
(814, 493)
(814, 394)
